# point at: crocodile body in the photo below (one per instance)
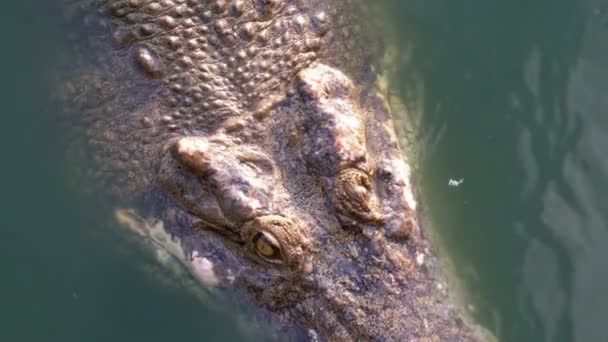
(256, 132)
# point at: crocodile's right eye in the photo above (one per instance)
(354, 196)
(276, 240)
(267, 247)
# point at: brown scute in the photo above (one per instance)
(219, 56)
(149, 63)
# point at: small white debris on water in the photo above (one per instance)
(202, 269)
(455, 182)
(420, 259)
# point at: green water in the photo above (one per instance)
(510, 96)
(65, 277)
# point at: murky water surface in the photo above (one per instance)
(507, 99)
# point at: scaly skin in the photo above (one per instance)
(255, 131)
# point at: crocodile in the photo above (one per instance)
(252, 141)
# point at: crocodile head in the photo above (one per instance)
(317, 223)
(254, 130)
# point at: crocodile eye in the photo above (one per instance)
(275, 239)
(266, 246)
(353, 195)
